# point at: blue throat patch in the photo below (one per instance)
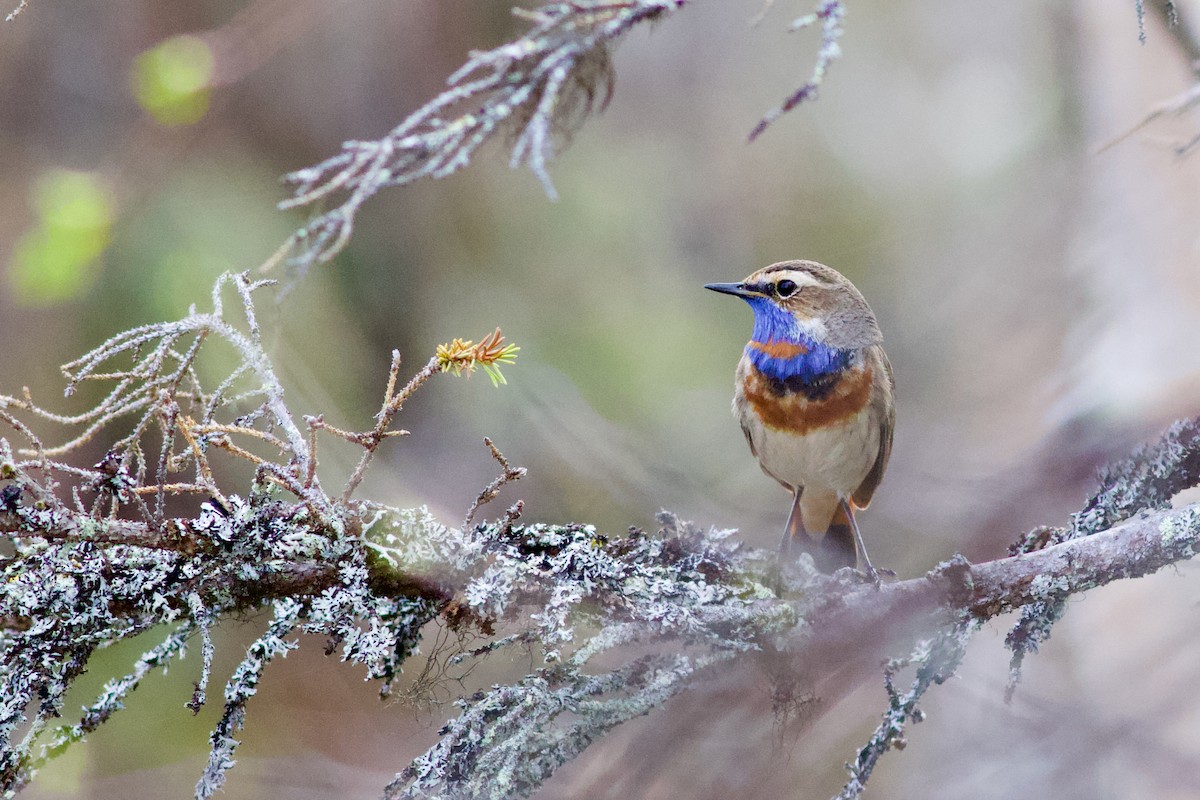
(816, 366)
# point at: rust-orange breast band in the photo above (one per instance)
(796, 413)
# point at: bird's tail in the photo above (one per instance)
(820, 527)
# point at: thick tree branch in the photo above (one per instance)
(53, 525)
(841, 619)
(957, 590)
(840, 624)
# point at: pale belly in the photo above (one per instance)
(836, 458)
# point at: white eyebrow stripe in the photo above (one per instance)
(795, 276)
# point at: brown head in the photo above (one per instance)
(821, 300)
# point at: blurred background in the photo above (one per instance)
(1040, 301)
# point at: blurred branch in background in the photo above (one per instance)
(829, 14)
(539, 87)
(1179, 25)
(256, 33)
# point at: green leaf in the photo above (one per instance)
(173, 80)
(57, 260)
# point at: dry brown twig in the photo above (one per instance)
(508, 475)
(392, 403)
(457, 357)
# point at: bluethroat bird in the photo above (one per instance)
(815, 396)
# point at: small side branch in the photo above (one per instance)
(457, 357)
(935, 660)
(1176, 22)
(392, 403)
(829, 15)
(509, 474)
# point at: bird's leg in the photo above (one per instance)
(795, 525)
(861, 550)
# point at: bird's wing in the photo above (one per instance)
(883, 411)
(749, 439)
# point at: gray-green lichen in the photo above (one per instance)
(1180, 530)
(1145, 481)
(933, 661)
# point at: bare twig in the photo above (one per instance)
(508, 475)
(1177, 24)
(829, 13)
(13, 14)
(392, 403)
(204, 473)
(457, 357)
(1176, 106)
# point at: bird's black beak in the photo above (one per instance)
(737, 289)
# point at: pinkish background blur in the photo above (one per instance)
(1040, 303)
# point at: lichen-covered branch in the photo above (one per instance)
(1146, 481)
(541, 84)
(952, 601)
(92, 562)
(957, 590)
(619, 624)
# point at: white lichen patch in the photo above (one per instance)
(1047, 587)
(1180, 528)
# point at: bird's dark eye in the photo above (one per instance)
(786, 288)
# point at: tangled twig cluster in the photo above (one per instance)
(98, 555)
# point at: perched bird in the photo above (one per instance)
(814, 394)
